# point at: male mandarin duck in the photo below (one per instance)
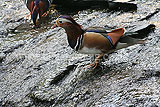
(95, 40)
(37, 7)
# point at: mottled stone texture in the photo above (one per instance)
(39, 69)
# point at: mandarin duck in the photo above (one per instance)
(37, 7)
(94, 40)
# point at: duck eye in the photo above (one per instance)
(60, 22)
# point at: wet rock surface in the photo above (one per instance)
(39, 69)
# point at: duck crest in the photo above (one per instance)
(71, 19)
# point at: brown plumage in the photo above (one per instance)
(95, 40)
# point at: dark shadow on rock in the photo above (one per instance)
(74, 6)
(61, 76)
(2, 57)
(146, 75)
(41, 102)
(122, 6)
(11, 49)
(150, 15)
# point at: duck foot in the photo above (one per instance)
(96, 62)
(36, 26)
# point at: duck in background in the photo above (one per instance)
(94, 40)
(38, 7)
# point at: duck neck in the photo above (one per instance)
(73, 32)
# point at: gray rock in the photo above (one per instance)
(39, 69)
(2, 56)
(3, 33)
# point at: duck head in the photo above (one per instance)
(72, 28)
(66, 22)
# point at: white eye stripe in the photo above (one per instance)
(62, 20)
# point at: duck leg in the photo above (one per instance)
(28, 15)
(94, 65)
(45, 14)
